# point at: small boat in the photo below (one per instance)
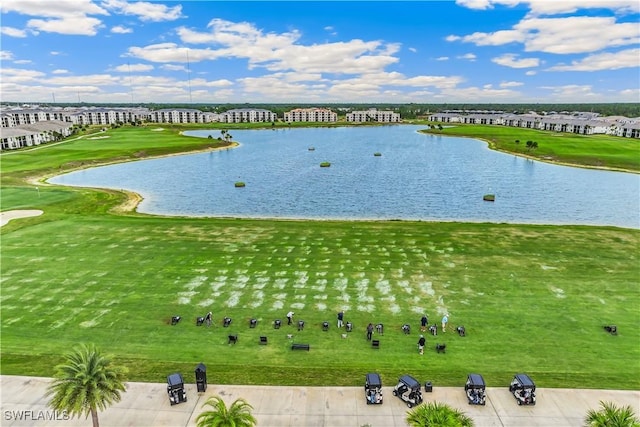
(489, 198)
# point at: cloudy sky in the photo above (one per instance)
(471, 51)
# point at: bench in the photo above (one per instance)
(300, 347)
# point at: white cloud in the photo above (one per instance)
(275, 52)
(87, 79)
(125, 68)
(80, 25)
(5, 55)
(13, 75)
(468, 56)
(442, 58)
(52, 9)
(60, 71)
(629, 58)
(511, 84)
(632, 94)
(479, 95)
(511, 60)
(570, 92)
(61, 16)
(574, 34)
(145, 11)
(55, 53)
(173, 67)
(119, 29)
(552, 7)
(13, 32)
(22, 61)
(530, 73)
(413, 49)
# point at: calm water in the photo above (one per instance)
(418, 176)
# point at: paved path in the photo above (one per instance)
(146, 404)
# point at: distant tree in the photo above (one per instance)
(436, 414)
(439, 126)
(210, 137)
(611, 415)
(236, 415)
(85, 384)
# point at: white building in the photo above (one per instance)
(247, 115)
(29, 135)
(181, 115)
(373, 115)
(310, 115)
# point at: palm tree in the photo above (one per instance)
(433, 414)
(611, 415)
(85, 384)
(237, 415)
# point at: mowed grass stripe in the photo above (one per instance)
(533, 298)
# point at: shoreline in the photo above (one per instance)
(133, 199)
(492, 146)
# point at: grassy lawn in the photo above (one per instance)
(533, 298)
(586, 150)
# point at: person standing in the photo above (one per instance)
(421, 342)
(445, 320)
(207, 318)
(290, 317)
(340, 318)
(369, 331)
(423, 323)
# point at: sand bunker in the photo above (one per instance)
(5, 217)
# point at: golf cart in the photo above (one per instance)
(373, 389)
(175, 389)
(475, 388)
(523, 389)
(408, 390)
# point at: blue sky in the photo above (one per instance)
(464, 51)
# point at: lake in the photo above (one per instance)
(416, 177)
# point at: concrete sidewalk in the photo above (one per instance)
(146, 404)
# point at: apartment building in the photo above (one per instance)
(247, 115)
(181, 115)
(310, 115)
(373, 115)
(29, 135)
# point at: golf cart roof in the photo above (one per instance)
(374, 380)
(175, 379)
(475, 380)
(525, 381)
(410, 382)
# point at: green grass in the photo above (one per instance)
(602, 151)
(533, 298)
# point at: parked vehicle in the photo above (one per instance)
(523, 389)
(373, 389)
(475, 389)
(175, 389)
(408, 390)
